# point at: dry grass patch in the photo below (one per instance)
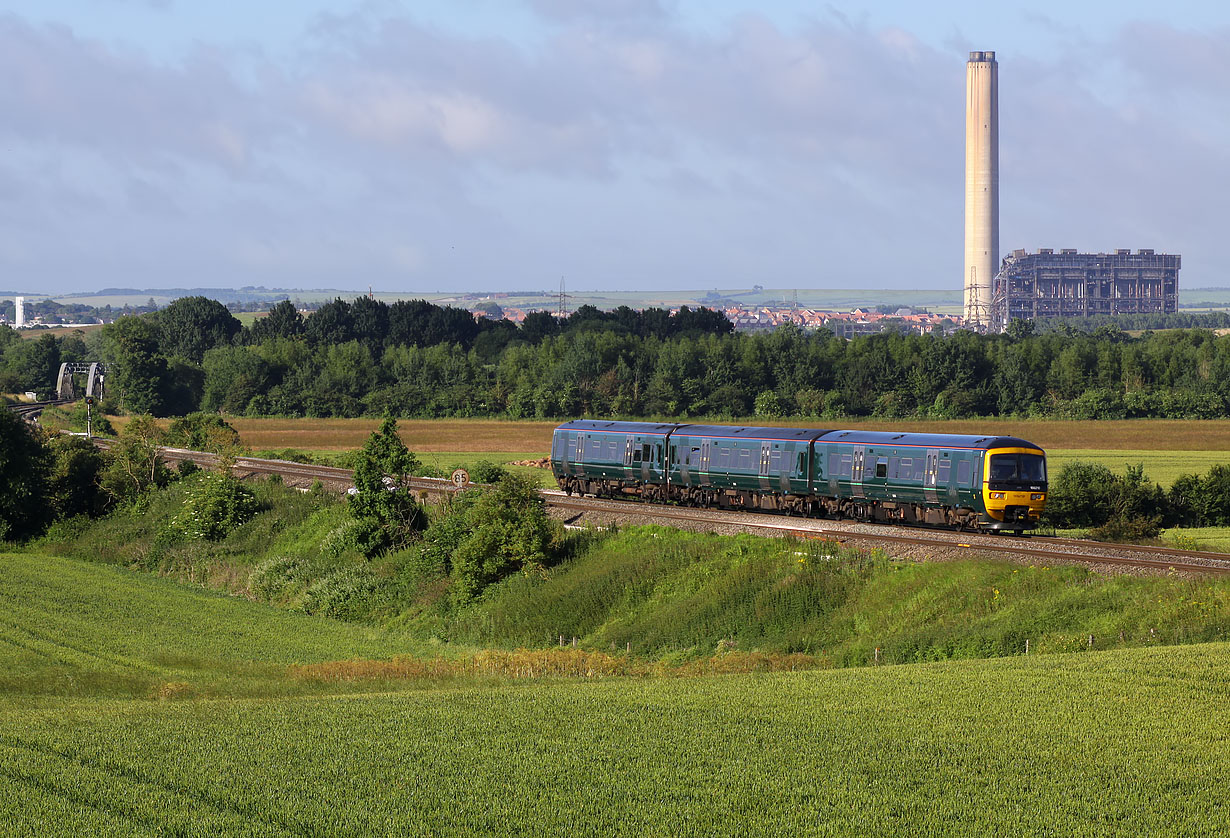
(550, 663)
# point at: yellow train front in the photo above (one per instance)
(1014, 486)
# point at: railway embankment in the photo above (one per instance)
(658, 593)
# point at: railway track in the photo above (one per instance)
(908, 541)
(913, 541)
(31, 410)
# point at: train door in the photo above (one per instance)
(779, 464)
(579, 460)
(704, 462)
(628, 445)
(856, 475)
(646, 458)
(763, 469)
(929, 476)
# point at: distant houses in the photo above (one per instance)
(844, 324)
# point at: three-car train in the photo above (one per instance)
(988, 483)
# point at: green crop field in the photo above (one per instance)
(1160, 466)
(135, 706)
(1129, 742)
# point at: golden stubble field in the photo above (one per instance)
(497, 435)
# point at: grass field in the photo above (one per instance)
(1128, 743)
(1160, 466)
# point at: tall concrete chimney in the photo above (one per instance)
(20, 319)
(981, 185)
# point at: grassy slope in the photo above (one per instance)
(71, 627)
(664, 592)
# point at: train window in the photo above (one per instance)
(847, 465)
(646, 452)
(745, 458)
(893, 465)
(965, 472)
(905, 468)
(920, 467)
(945, 472)
(775, 462)
(802, 464)
(636, 454)
(881, 467)
(674, 454)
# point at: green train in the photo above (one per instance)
(990, 483)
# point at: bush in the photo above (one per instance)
(506, 531)
(485, 471)
(202, 432)
(1213, 502)
(348, 593)
(1089, 495)
(1128, 530)
(213, 507)
(282, 579)
(75, 480)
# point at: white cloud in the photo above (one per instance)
(617, 141)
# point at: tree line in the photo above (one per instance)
(416, 359)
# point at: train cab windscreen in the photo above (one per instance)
(1018, 469)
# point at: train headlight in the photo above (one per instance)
(997, 496)
(1037, 496)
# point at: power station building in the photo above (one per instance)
(1071, 284)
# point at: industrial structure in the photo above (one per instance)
(1071, 284)
(19, 321)
(981, 185)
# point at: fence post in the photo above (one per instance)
(877, 655)
(561, 641)
(1091, 641)
(1027, 645)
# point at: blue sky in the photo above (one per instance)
(621, 144)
